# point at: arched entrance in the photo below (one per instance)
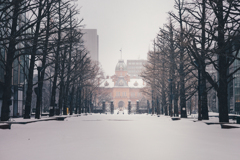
(121, 105)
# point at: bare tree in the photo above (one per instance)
(40, 14)
(218, 47)
(16, 38)
(179, 6)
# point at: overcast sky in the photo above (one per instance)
(128, 24)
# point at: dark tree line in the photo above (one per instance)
(46, 35)
(200, 33)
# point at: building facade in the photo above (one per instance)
(236, 89)
(135, 67)
(123, 88)
(91, 43)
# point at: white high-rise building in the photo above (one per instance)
(135, 67)
(90, 39)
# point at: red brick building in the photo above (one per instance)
(122, 88)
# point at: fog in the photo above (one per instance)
(123, 24)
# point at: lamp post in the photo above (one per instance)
(39, 94)
(190, 101)
(158, 107)
(148, 106)
(103, 106)
(129, 107)
(162, 107)
(112, 107)
(137, 106)
(152, 102)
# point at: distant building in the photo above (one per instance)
(135, 67)
(91, 43)
(123, 88)
(235, 89)
(212, 94)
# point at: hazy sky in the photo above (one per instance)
(128, 24)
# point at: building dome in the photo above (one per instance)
(121, 66)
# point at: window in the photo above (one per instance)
(132, 94)
(118, 94)
(237, 98)
(237, 91)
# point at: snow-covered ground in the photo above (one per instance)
(119, 137)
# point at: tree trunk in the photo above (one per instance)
(175, 98)
(158, 107)
(56, 67)
(172, 69)
(170, 99)
(71, 107)
(152, 105)
(72, 98)
(85, 101)
(222, 62)
(60, 100)
(77, 111)
(181, 69)
(31, 68)
(39, 95)
(40, 87)
(69, 66)
(176, 106)
(62, 85)
(182, 97)
(80, 100)
(164, 102)
(223, 90)
(204, 103)
(223, 101)
(199, 94)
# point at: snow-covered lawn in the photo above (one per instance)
(119, 137)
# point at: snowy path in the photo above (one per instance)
(119, 137)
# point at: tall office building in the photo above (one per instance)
(212, 94)
(235, 89)
(135, 67)
(90, 39)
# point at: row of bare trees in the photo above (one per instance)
(47, 33)
(199, 34)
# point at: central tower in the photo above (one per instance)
(121, 88)
(121, 68)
